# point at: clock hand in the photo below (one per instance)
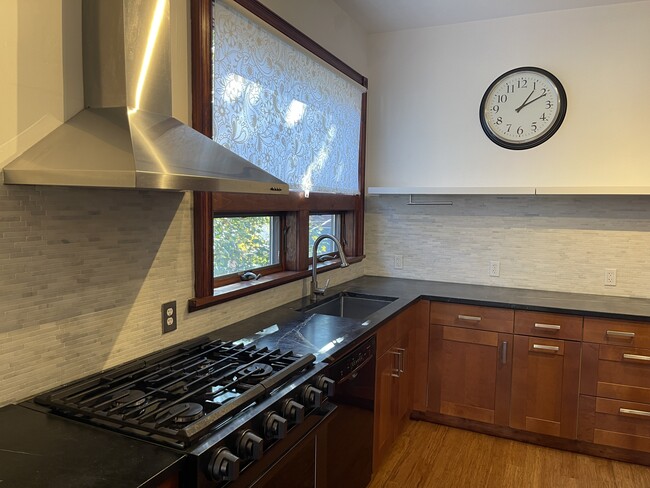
(524, 104)
(533, 100)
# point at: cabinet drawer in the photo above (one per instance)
(553, 325)
(472, 316)
(616, 372)
(615, 423)
(617, 332)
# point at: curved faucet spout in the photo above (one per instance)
(315, 290)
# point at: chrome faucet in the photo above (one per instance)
(314, 256)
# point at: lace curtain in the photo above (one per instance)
(283, 110)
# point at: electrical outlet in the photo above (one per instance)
(399, 261)
(495, 268)
(610, 277)
(169, 320)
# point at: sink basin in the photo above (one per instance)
(350, 305)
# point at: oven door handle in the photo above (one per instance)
(355, 372)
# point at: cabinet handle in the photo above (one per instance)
(395, 373)
(471, 318)
(504, 352)
(618, 333)
(543, 347)
(630, 411)
(402, 358)
(636, 357)
(547, 326)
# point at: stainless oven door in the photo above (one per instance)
(349, 435)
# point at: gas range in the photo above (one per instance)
(229, 407)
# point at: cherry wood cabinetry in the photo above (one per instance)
(615, 384)
(546, 373)
(401, 348)
(470, 362)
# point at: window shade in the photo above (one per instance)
(281, 109)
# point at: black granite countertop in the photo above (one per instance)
(42, 450)
(38, 449)
(328, 337)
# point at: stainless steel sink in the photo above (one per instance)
(350, 305)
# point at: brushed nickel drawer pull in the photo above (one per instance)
(547, 326)
(618, 333)
(402, 355)
(471, 318)
(630, 411)
(504, 352)
(395, 372)
(543, 347)
(636, 357)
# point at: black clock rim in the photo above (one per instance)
(543, 138)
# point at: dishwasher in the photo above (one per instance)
(349, 435)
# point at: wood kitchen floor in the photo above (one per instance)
(431, 455)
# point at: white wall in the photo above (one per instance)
(83, 272)
(326, 23)
(426, 86)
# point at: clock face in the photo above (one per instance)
(523, 108)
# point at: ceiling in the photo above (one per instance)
(389, 15)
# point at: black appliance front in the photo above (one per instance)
(350, 432)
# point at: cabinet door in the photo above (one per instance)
(404, 393)
(545, 386)
(470, 374)
(387, 371)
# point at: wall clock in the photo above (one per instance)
(522, 108)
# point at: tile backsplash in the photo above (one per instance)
(83, 274)
(560, 243)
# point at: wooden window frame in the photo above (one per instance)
(295, 207)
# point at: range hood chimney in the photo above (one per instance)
(126, 137)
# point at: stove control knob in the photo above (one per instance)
(250, 446)
(293, 411)
(311, 396)
(275, 426)
(326, 384)
(224, 465)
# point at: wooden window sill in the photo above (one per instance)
(238, 290)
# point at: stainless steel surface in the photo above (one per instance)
(126, 137)
(402, 359)
(355, 306)
(630, 411)
(544, 347)
(618, 333)
(547, 326)
(315, 290)
(471, 318)
(636, 357)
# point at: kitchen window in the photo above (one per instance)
(308, 130)
(246, 247)
(324, 224)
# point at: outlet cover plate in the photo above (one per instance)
(495, 268)
(169, 318)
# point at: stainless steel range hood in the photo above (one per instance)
(126, 137)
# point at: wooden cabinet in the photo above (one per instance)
(546, 373)
(470, 362)
(615, 384)
(398, 352)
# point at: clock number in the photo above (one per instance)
(499, 121)
(533, 126)
(495, 109)
(509, 126)
(544, 91)
(510, 88)
(520, 131)
(543, 117)
(549, 104)
(522, 83)
(502, 98)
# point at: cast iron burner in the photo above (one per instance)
(184, 413)
(131, 398)
(257, 370)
